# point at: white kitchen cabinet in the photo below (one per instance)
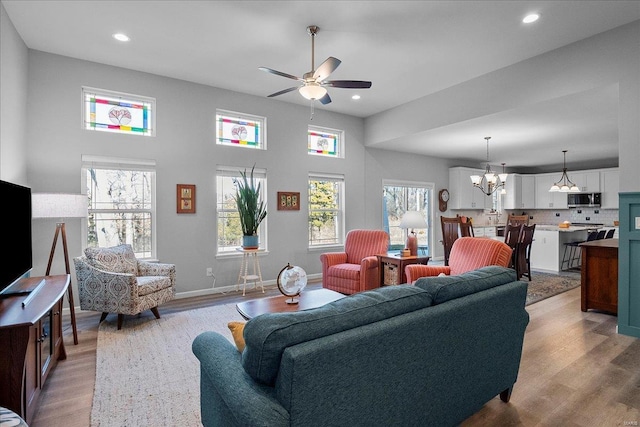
(463, 195)
(528, 193)
(520, 192)
(587, 181)
(544, 198)
(610, 186)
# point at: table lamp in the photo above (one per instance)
(61, 206)
(412, 220)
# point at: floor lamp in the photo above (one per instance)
(61, 206)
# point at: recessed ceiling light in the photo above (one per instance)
(530, 18)
(121, 37)
(355, 97)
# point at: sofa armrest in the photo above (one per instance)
(94, 282)
(146, 268)
(228, 395)
(332, 258)
(416, 271)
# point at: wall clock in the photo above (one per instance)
(443, 198)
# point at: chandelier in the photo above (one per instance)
(564, 185)
(490, 182)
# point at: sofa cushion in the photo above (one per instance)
(116, 259)
(150, 284)
(446, 288)
(268, 335)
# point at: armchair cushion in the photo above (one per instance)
(445, 288)
(116, 259)
(267, 339)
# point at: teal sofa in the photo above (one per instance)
(428, 354)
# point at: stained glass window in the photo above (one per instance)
(240, 129)
(110, 111)
(324, 141)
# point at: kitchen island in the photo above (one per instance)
(549, 242)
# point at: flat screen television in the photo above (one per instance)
(16, 215)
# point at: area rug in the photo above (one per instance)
(545, 285)
(146, 374)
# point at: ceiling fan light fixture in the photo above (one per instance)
(312, 91)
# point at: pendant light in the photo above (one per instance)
(489, 182)
(564, 185)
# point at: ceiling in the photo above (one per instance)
(408, 49)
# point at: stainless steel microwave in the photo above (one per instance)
(589, 200)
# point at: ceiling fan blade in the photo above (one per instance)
(325, 99)
(283, 91)
(349, 84)
(280, 73)
(326, 68)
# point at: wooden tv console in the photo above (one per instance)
(32, 344)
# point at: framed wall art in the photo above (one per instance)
(288, 201)
(186, 198)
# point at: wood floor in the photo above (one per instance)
(575, 370)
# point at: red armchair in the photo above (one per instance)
(467, 253)
(355, 269)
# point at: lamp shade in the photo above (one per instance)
(58, 205)
(412, 219)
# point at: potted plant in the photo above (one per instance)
(251, 209)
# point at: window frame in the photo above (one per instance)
(340, 144)
(262, 131)
(223, 171)
(339, 213)
(429, 212)
(140, 99)
(114, 163)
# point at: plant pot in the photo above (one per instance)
(250, 242)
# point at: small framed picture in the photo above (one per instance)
(288, 201)
(186, 198)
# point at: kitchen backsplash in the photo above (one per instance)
(547, 216)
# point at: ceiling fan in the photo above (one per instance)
(313, 84)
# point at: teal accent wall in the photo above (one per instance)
(629, 266)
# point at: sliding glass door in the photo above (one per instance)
(400, 197)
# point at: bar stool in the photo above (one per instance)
(574, 252)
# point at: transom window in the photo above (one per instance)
(325, 142)
(121, 194)
(326, 212)
(228, 218)
(239, 129)
(110, 111)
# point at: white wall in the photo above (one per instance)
(186, 153)
(13, 102)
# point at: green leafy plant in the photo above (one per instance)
(251, 209)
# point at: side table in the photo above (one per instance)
(392, 267)
(249, 256)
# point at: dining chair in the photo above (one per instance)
(450, 233)
(518, 220)
(511, 238)
(523, 256)
(610, 233)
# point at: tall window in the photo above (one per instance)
(325, 141)
(239, 129)
(110, 111)
(229, 229)
(121, 195)
(400, 197)
(326, 212)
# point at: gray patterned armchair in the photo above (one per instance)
(112, 280)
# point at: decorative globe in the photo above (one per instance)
(291, 281)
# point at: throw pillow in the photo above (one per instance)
(116, 259)
(237, 329)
